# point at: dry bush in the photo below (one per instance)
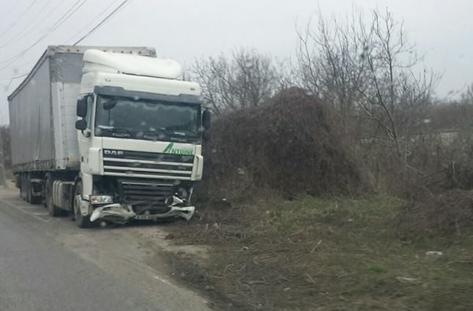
(432, 159)
(439, 162)
(5, 137)
(439, 174)
(444, 213)
(440, 189)
(285, 145)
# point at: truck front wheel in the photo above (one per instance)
(81, 220)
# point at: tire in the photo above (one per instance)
(27, 189)
(53, 210)
(22, 187)
(81, 221)
(30, 198)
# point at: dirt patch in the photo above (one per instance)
(319, 254)
(159, 238)
(245, 261)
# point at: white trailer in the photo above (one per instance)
(107, 133)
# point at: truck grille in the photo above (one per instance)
(145, 194)
(147, 164)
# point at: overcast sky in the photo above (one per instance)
(188, 29)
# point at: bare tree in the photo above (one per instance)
(329, 62)
(366, 69)
(246, 79)
(467, 96)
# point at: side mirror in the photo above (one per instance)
(206, 119)
(81, 109)
(81, 125)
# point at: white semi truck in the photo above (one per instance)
(108, 134)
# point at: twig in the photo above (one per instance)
(316, 246)
(310, 278)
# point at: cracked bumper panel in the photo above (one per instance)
(185, 212)
(116, 210)
(125, 213)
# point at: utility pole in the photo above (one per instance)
(3, 181)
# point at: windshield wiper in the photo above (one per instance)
(117, 131)
(163, 134)
(151, 134)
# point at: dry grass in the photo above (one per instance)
(322, 254)
(438, 215)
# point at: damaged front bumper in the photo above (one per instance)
(123, 213)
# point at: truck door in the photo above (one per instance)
(85, 136)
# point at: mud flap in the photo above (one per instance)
(83, 205)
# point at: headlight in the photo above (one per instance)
(101, 199)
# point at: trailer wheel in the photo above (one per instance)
(53, 210)
(81, 221)
(22, 187)
(30, 198)
(27, 189)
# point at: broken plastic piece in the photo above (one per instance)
(126, 213)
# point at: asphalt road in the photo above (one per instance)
(49, 264)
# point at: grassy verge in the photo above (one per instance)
(323, 254)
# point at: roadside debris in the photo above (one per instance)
(406, 280)
(433, 254)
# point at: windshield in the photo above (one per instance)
(147, 119)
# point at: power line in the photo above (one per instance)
(92, 21)
(19, 18)
(103, 21)
(10, 10)
(16, 77)
(6, 86)
(12, 59)
(18, 37)
(25, 64)
(15, 74)
(68, 14)
(58, 23)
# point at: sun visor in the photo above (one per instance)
(95, 60)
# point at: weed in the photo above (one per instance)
(324, 254)
(376, 269)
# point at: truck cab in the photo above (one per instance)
(139, 132)
(108, 134)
